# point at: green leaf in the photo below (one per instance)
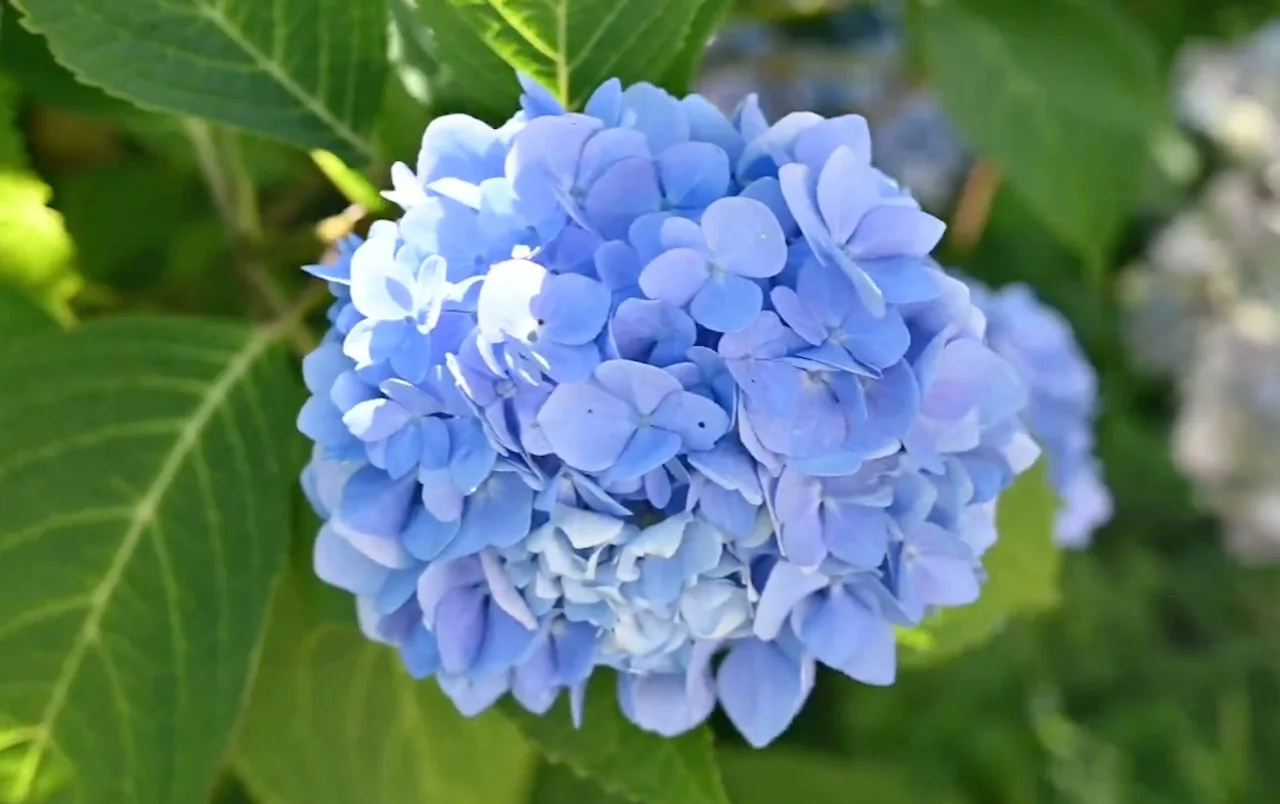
(570, 46)
(688, 61)
(1022, 569)
(336, 719)
(625, 761)
(1063, 95)
(145, 476)
(19, 316)
(782, 774)
(308, 72)
(35, 251)
(26, 57)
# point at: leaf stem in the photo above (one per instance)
(218, 154)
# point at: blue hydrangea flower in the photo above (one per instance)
(660, 390)
(1063, 400)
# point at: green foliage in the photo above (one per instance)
(570, 46)
(1070, 133)
(143, 520)
(296, 69)
(627, 762)
(1022, 569)
(35, 252)
(334, 718)
(156, 646)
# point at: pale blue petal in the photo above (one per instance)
(761, 690)
(675, 277)
(339, 564)
(459, 628)
(572, 309)
(846, 192)
(727, 303)
(586, 425)
(893, 230)
(815, 145)
(694, 174)
(744, 237)
(647, 450)
(426, 537)
(505, 642)
(625, 192)
(656, 114)
(376, 419)
(605, 103)
(641, 386)
(846, 635)
(698, 421)
(652, 332)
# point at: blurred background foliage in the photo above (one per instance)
(1156, 679)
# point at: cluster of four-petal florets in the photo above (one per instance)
(656, 389)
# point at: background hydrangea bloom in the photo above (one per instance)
(1062, 406)
(584, 406)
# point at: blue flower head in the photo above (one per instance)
(657, 389)
(1062, 401)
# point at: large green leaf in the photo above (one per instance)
(309, 72)
(145, 476)
(571, 46)
(336, 719)
(625, 761)
(1063, 95)
(1022, 570)
(19, 316)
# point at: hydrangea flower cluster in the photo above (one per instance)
(655, 389)
(1205, 301)
(1062, 390)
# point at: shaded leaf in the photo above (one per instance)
(1022, 569)
(145, 468)
(781, 774)
(1069, 132)
(303, 71)
(336, 719)
(570, 46)
(622, 759)
(20, 316)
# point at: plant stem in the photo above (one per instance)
(218, 155)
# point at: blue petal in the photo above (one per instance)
(652, 332)
(339, 564)
(506, 642)
(675, 277)
(893, 230)
(647, 450)
(846, 191)
(586, 425)
(374, 504)
(499, 514)
(698, 421)
(625, 192)
(459, 628)
(425, 537)
(761, 690)
(641, 386)
(744, 237)
(376, 419)
(657, 115)
(572, 309)
(605, 104)
(846, 635)
(694, 174)
(727, 303)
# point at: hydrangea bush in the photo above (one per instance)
(661, 390)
